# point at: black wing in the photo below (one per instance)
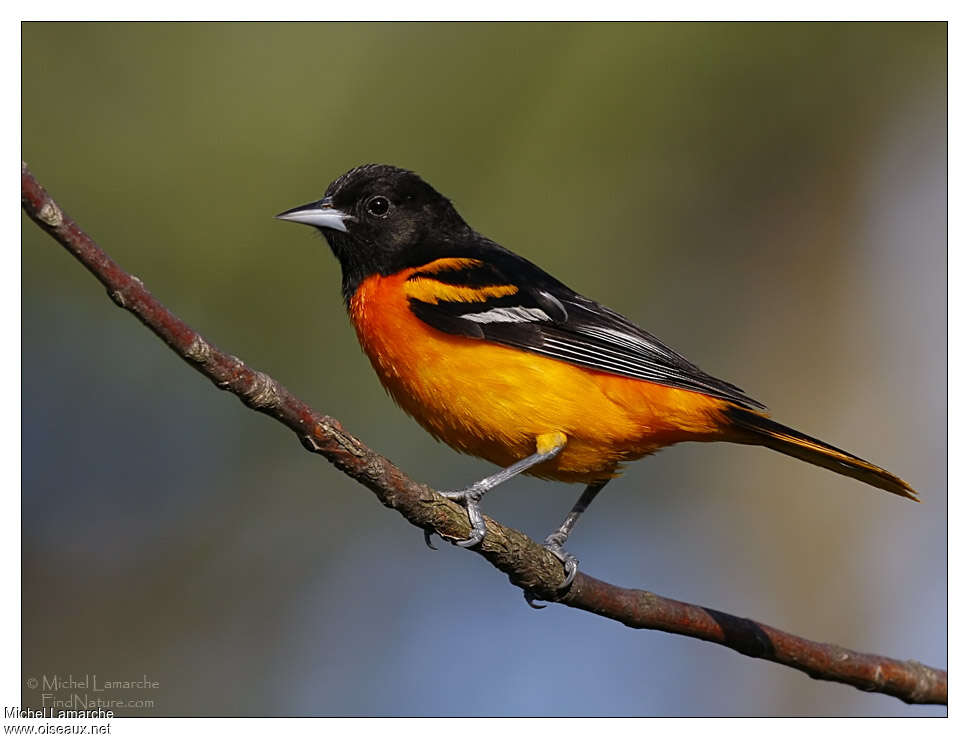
(495, 295)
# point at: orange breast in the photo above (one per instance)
(493, 401)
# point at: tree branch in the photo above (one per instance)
(527, 564)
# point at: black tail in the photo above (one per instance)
(760, 430)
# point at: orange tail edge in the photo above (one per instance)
(760, 430)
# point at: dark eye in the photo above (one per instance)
(378, 206)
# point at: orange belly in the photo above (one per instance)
(493, 401)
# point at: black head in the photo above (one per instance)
(379, 219)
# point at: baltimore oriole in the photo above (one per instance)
(498, 359)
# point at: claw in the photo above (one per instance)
(469, 498)
(554, 544)
(530, 600)
(572, 568)
(427, 538)
(475, 539)
(547, 447)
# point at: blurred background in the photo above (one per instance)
(769, 199)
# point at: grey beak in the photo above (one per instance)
(320, 213)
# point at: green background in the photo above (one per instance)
(767, 198)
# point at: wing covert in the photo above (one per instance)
(512, 302)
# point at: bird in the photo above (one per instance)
(499, 359)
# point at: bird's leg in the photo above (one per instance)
(547, 447)
(554, 542)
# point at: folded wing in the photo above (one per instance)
(500, 297)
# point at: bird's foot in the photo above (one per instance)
(554, 544)
(470, 498)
